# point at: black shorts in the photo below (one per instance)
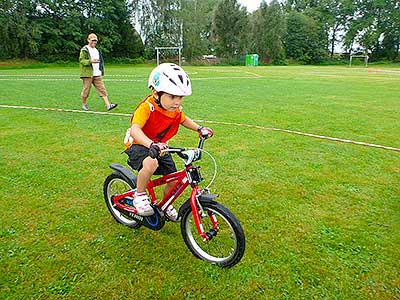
(137, 154)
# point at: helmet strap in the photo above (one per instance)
(157, 100)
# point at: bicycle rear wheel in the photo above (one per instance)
(227, 245)
(116, 184)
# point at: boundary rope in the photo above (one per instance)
(216, 122)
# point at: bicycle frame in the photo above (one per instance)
(183, 180)
(181, 184)
(209, 229)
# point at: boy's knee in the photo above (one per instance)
(150, 164)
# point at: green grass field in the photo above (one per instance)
(322, 218)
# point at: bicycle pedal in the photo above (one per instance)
(173, 221)
(129, 201)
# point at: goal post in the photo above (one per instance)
(365, 57)
(169, 54)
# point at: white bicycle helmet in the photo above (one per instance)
(170, 78)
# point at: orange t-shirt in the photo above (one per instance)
(157, 124)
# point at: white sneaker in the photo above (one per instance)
(142, 205)
(111, 106)
(171, 213)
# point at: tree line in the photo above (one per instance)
(303, 30)
(51, 30)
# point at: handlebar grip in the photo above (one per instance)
(175, 149)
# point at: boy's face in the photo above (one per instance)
(171, 102)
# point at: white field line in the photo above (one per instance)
(216, 70)
(364, 77)
(254, 74)
(60, 75)
(384, 71)
(67, 79)
(397, 72)
(356, 73)
(64, 110)
(359, 75)
(125, 80)
(216, 122)
(227, 77)
(303, 134)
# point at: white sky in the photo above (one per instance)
(251, 5)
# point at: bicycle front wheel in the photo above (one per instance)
(227, 245)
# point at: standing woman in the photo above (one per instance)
(92, 69)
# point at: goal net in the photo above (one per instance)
(359, 57)
(169, 54)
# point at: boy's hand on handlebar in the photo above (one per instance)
(156, 148)
(205, 132)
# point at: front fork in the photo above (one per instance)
(199, 213)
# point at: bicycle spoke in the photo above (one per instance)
(118, 186)
(220, 246)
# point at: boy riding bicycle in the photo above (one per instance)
(155, 121)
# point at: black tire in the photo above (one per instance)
(116, 184)
(226, 248)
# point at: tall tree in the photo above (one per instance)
(302, 41)
(334, 15)
(317, 10)
(374, 22)
(301, 5)
(197, 18)
(391, 41)
(117, 30)
(160, 23)
(230, 28)
(268, 31)
(56, 29)
(61, 29)
(19, 33)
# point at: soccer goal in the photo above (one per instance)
(364, 57)
(169, 54)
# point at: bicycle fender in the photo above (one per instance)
(128, 175)
(206, 198)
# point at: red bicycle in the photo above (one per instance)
(210, 231)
